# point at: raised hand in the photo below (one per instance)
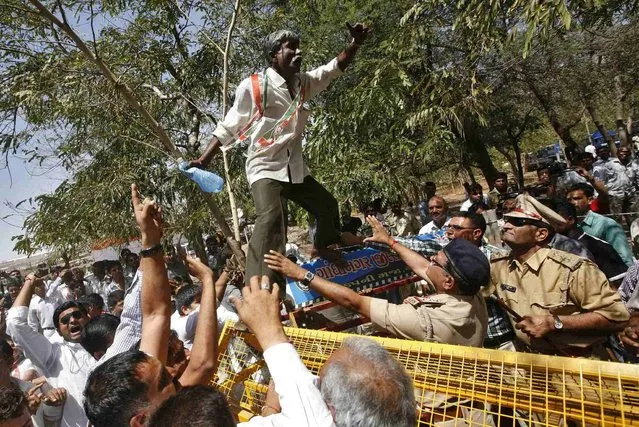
(197, 268)
(583, 172)
(148, 216)
(359, 32)
(278, 262)
(259, 309)
(380, 235)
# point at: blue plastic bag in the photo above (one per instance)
(207, 181)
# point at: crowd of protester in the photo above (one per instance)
(134, 342)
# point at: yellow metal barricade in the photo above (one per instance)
(455, 385)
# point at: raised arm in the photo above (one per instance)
(220, 285)
(413, 260)
(340, 295)
(36, 347)
(24, 297)
(204, 352)
(597, 183)
(301, 401)
(156, 292)
(359, 32)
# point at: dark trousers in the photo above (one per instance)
(270, 225)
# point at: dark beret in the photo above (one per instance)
(468, 265)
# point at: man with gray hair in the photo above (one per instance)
(363, 385)
(269, 115)
(360, 385)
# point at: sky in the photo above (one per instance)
(24, 181)
(27, 180)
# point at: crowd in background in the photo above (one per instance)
(134, 341)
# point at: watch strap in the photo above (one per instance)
(155, 249)
(308, 278)
(306, 281)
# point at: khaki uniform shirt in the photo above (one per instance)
(559, 283)
(444, 318)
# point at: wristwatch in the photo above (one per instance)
(155, 249)
(558, 323)
(306, 281)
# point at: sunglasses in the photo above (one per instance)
(520, 222)
(434, 262)
(77, 315)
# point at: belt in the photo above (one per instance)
(51, 328)
(494, 342)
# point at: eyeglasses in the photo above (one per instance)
(77, 315)
(459, 227)
(520, 222)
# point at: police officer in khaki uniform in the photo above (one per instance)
(455, 315)
(561, 303)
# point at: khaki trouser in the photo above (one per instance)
(270, 224)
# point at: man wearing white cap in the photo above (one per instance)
(560, 303)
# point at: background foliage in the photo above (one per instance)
(440, 88)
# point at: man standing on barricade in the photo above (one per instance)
(269, 114)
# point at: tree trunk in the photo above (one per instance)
(509, 158)
(620, 99)
(520, 168)
(479, 152)
(601, 127)
(560, 129)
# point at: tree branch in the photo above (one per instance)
(95, 42)
(133, 101)
(121, 87)
(225, 87)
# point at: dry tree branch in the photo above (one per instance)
(225, 87)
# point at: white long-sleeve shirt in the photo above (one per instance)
(67, 364)
(57, 292)
(40, 316)
(300, 398)
(64, 364)
(280, 156)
